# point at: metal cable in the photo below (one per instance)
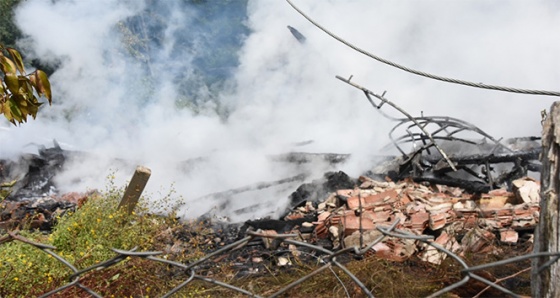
(189, 270)
(421, 73)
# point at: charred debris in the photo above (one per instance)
(450, 179)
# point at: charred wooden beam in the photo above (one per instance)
(305, 157)
(470, 186)
(528, 155)
(223, 197)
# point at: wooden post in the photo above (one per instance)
(547, 282)
(135, 188)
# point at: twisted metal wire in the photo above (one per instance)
(329, 259)
(402, 111)
(421, 73)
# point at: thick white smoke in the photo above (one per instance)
(282, 93)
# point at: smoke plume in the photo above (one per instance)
(205, 92)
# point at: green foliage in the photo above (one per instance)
(97, 227)
(85, 238)
(9, 32)
(18, 90)
(5, 189)
(202, 57)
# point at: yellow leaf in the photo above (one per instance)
(15, 111)
(45, 84)
(5, 109)
(34, 80)
(42, 85)
(7, 65)
(12, 82)
(25, 86)
(17, 59)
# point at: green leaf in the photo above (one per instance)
(21, 100)
(33, 100)
(45, 84)
(25, 87)
(12, 82)
(22, 104)
(5, 109)
(16, 57)
(16, 113)
(41, 83)
(33, 109)
(34, 80)
(8, 184)
(7, 65)
(23, 109)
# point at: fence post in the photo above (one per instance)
(135, 188)
(547, 282)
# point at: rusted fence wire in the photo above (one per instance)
(328, 259)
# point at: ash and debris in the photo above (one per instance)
(336, 211)
(33, 173)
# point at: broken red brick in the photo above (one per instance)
(347, 193)
(321, 231)
(433, 255)
(440, 208)
(404, 200)
(351, 223)
(324, 215)
(367, 237)
(509, 236)
(395, 249)
(294, 215)
(372, 200)
(419, 220)
(77, 198)
(438, 220)
(494, 202)
(478, 240)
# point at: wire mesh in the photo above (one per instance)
(329, 260)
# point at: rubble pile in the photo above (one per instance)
(31, 175)
(335, 212)
(459, 221)
(40, 214)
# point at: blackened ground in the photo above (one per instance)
(317, 190)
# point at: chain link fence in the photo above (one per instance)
(328, 261)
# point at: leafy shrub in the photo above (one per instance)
(84, 238)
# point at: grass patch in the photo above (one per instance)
(383, 278)
(84, 239)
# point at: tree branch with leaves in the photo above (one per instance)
(19, 91)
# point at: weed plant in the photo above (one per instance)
(85, 238)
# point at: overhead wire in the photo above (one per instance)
(421, 73)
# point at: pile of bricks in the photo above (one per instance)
(460, 221)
